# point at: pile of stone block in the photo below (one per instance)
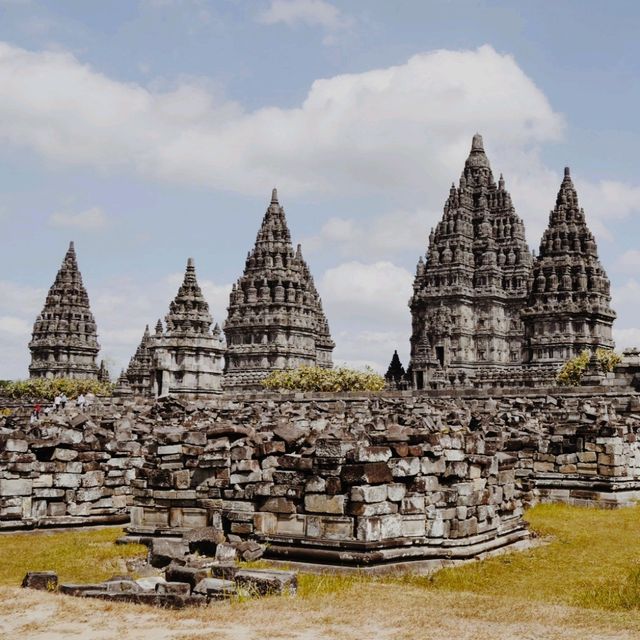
(181, 585)
(70, 468)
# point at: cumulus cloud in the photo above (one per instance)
(405, 126)
(93, 219)
(307, 12)
(377, 237)
(366, 304)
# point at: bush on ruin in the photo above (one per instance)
(572, 371)
(318, 379)
(49, 388)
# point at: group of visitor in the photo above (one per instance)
(59, 403)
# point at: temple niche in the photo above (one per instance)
(64, 342)
(480, 303)
(275, 318)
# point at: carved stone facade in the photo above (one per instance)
(468, 294)
(481, 305)
(569, 306)
(64, 343)
(187, 357)
(275, 318)
(139, 371)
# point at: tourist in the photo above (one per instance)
(63, 400)
(56, 402)
(80, 402)
(34, 417)
(37, 410)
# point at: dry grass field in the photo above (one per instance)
(585, 583)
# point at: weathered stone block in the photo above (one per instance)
(367, 493)
(18, 487)
(318, 503)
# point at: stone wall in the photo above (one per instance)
(340, 478)
(70, 469)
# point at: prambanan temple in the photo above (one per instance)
(484, 307)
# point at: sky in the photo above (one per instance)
(150, 131)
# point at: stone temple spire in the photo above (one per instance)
(186, 357)
(64, 342)
(469, 292)
(569, 305)
(139, 370)
(189, 312)
(275, 318)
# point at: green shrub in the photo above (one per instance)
(572, 371)
(49, 388)
(318, 379)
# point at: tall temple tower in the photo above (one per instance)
(569, 305)
(275, 316)
(469, 292)
(187, 358)
(138, 373)
(64, 343)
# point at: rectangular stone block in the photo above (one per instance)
(414, 526)
(17, 487)
(319, 503)
(330, 527)
(368, 493)
(390, 527)
(368, 529)
(372, 509)
(290, 524)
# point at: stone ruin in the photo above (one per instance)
(436, 474)
(341, 479)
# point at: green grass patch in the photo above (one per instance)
(81, 555)
(592, 559)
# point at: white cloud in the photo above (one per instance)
(14, 326)
(401, 127)
(307, 12)
(93, 219)
(367, 309)
(628, 262)
(377, 237)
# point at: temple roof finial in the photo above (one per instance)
(190, 264)
(477, 143)
(274, 196)
(567, 172)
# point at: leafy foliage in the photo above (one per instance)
(571, 373)
(318, 379)
(49, 388)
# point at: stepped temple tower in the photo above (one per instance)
(138, 373)
(483, 311)
(64, 343)
(569, 305)
(469, 292)
(275, 316)
(186, 358)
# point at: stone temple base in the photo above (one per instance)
(395, 553)
(596, 492)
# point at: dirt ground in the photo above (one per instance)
(376, 611)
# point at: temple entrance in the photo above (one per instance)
(440, 355)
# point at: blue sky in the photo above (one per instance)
(150, 131)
